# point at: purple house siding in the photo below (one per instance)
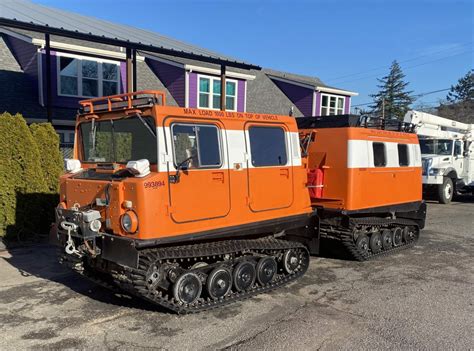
(26, 55)
(123, 77)
(300, 96)
(347, 105)
(317, 111)
(172, 77)
(241, 95)
(193, 91)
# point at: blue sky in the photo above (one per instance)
(348, 44)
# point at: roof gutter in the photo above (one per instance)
(336, 91)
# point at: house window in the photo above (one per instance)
(82, 77)
(209, 93)
(332, 105)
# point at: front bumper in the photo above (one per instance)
(433, 180)
(72, 232)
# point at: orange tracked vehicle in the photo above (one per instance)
(192, 209)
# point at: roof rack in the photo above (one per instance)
(364, 121)
(124, 101)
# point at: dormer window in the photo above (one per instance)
(332, 105)
(86, 77)
(209, 93)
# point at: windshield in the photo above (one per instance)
(119, 140)
(436, 146)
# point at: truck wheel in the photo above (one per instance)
(445, 191)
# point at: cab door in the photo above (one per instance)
(201, 191)
(458, 158)
(270, 175)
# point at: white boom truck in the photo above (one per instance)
(447, 150)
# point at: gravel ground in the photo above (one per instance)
(421, 298)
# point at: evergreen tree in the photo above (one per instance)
(392, 96)
(464, 90)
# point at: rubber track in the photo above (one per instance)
(346, 236)
(133, 280)
(136, 278)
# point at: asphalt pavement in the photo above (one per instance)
(420, 298)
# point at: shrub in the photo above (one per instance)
(51, 159)
(20, 176)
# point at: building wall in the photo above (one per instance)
(26, 55)
(173, 78)
(302, 97)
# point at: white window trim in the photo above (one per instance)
(329, 98)
(211, 79)
(79, 74)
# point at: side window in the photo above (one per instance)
(197, 143)
(403, 156)
(267, 146)
(380, 159)
(458, 148)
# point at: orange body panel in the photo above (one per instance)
(350, 181)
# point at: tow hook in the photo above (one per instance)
(70, 247)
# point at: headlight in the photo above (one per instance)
(436, 171)
(129, 222)
(95, 225)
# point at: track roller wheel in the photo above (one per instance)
(291, 261)
(386, 239)
(408, 235)
(375, 242)
(266, 270)
(187, 288)
(244, 275)
(219, 282)
(397, 236)
(362, 244)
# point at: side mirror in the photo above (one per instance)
(183, 166)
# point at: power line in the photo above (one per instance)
(403, 61)
(409, 67)
(416, 95)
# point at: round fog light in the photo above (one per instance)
(129, 221)
(95, 225)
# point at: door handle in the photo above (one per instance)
(285, 172)
(218, 176)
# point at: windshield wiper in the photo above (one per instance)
(147, 126)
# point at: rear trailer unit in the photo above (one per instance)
(364, 182)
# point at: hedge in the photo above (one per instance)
(51, 159)
(28, 167)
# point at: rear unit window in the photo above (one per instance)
(267, 146)
(380, 159)
(403, 157)
(199, 145)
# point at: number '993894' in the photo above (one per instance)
(154, 184)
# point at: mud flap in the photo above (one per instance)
(120, 251)
(309, 235)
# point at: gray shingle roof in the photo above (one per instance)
(28, 12)
(314, 81)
